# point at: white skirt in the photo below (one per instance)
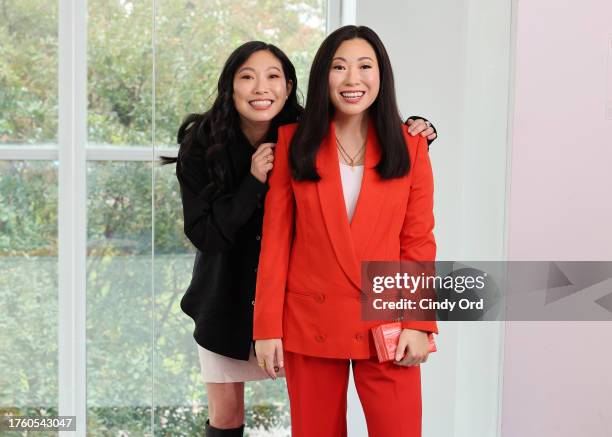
(219, 368)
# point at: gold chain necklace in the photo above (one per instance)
(350, 161)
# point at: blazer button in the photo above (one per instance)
(258, 237)
(358, 337)
(255, 269)
(253, 302)
(320, 298)
(320, 338)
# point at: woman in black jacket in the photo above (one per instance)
(224, 158)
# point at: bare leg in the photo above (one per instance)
(226, 404)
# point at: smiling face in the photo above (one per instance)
(354, 77)
(260, 88)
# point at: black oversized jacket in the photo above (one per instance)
(225, 228)
(226, 231)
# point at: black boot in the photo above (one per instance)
(211, 431)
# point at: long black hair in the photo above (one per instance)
(313, 127)
(219, 127)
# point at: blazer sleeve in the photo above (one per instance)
(417, 241)
(276, 243)
(211, 220)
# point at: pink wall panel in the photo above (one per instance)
(558, 376)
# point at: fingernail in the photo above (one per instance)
(398, 358)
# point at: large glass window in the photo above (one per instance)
(119, 72)
(28, 209)
(28, 72)
(119, 305)
(148, 64)
(28, 287)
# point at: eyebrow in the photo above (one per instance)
(340, 58)
(253, 70)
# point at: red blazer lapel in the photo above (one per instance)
(371, 199)
(333, 208)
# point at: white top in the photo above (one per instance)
(351, 185)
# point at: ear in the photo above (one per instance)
(289, 87)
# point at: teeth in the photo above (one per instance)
(352, 94)
(261, 103)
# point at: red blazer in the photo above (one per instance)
(308, 281)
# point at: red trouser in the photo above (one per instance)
(390, 396)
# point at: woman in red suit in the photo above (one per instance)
(349, 185)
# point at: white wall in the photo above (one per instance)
(451, 64)
(557, 379)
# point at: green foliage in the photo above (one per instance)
(28, 332)
(119, 220)
(28, 208)
(28, 71)
(126, 64)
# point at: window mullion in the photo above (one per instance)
(72, 220)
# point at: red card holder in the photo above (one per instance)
(386, 338)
